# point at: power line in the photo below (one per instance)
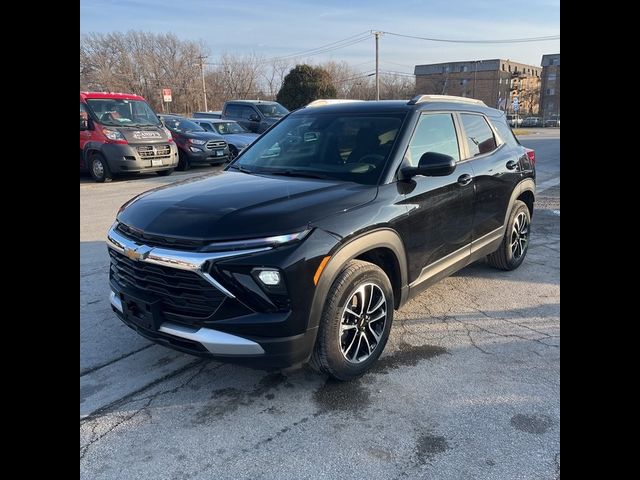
(511, 40)
(329, 46)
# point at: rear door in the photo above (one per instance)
(496, 168)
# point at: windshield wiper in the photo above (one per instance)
(240, 168)
(296, 173)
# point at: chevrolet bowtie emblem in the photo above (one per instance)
(138, 253)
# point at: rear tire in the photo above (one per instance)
(183, 162)
(515, 242)
(99, 168)
(355, 323)
(165, 173)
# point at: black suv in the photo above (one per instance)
(195, 144)
(306, 244)
(254, 115)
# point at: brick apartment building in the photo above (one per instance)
(496, 82)
(550, 89)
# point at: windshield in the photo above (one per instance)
(349, 147)
(182, 125)
(122, 113)
(225, 128)
(272, 110)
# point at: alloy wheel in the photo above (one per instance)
(363, 322)
(519, 235)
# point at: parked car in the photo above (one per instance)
(532, 122)
(515, 121)
(120, 133)
(195, 144)
(235, 134)
(303, 247)
(216, 114)
(255, 115)
(552, 121)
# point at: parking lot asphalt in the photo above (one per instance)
(468, 386)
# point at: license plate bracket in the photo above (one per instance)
(143, 312)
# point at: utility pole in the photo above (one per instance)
(204, 86)
(377, 34)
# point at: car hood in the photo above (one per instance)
(146, 134)
(236, 205)
(241, 138)
(200, 135)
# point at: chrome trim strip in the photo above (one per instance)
(192, 261)
(115, 301)
(454, 257)
(216, 342)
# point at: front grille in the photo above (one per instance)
(158, 241)
(216, 144)
(154, 151)
(186, 297)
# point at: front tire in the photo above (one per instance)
(183, 162)
(233, 152)
(99, 168)
(515, 242)
(355, 323)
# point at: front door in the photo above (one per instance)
(85, 135)
(437, 229)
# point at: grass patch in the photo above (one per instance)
(521, 131)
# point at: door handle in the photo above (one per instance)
(465, 179)
(512, 164)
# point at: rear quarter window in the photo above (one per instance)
(504, 131)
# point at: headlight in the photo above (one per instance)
(167, 132)
(274, 241)
(113, 134)
(195, 141)
(195, 149)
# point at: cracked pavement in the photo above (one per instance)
(468, 386)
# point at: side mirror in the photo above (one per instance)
(84, 123)
(431, 164)
(254, 117)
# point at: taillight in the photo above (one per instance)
(532, 156)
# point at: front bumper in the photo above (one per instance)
(248, 345)
(207, 156)
(134, 158)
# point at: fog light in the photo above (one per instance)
(269, 277)
(195, 149)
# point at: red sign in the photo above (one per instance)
(166, 94)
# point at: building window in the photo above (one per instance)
(503, 67)
(551, 91)
(509, 67)
(464, 81)
(463, 68)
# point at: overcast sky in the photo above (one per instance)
(281, 27)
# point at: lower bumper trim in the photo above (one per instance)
(218, 343)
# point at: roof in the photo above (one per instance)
(213, 120)
(426, 102)
(251, 102)
(111, 95)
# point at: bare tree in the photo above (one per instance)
(143, 63)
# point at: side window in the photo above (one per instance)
(478, 134)
(247, 112)
(84, 115)
(435, 133)
(206, 126)
(233, 111)
(504, 130)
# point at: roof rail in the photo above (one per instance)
(330, 101)
(444, 98)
